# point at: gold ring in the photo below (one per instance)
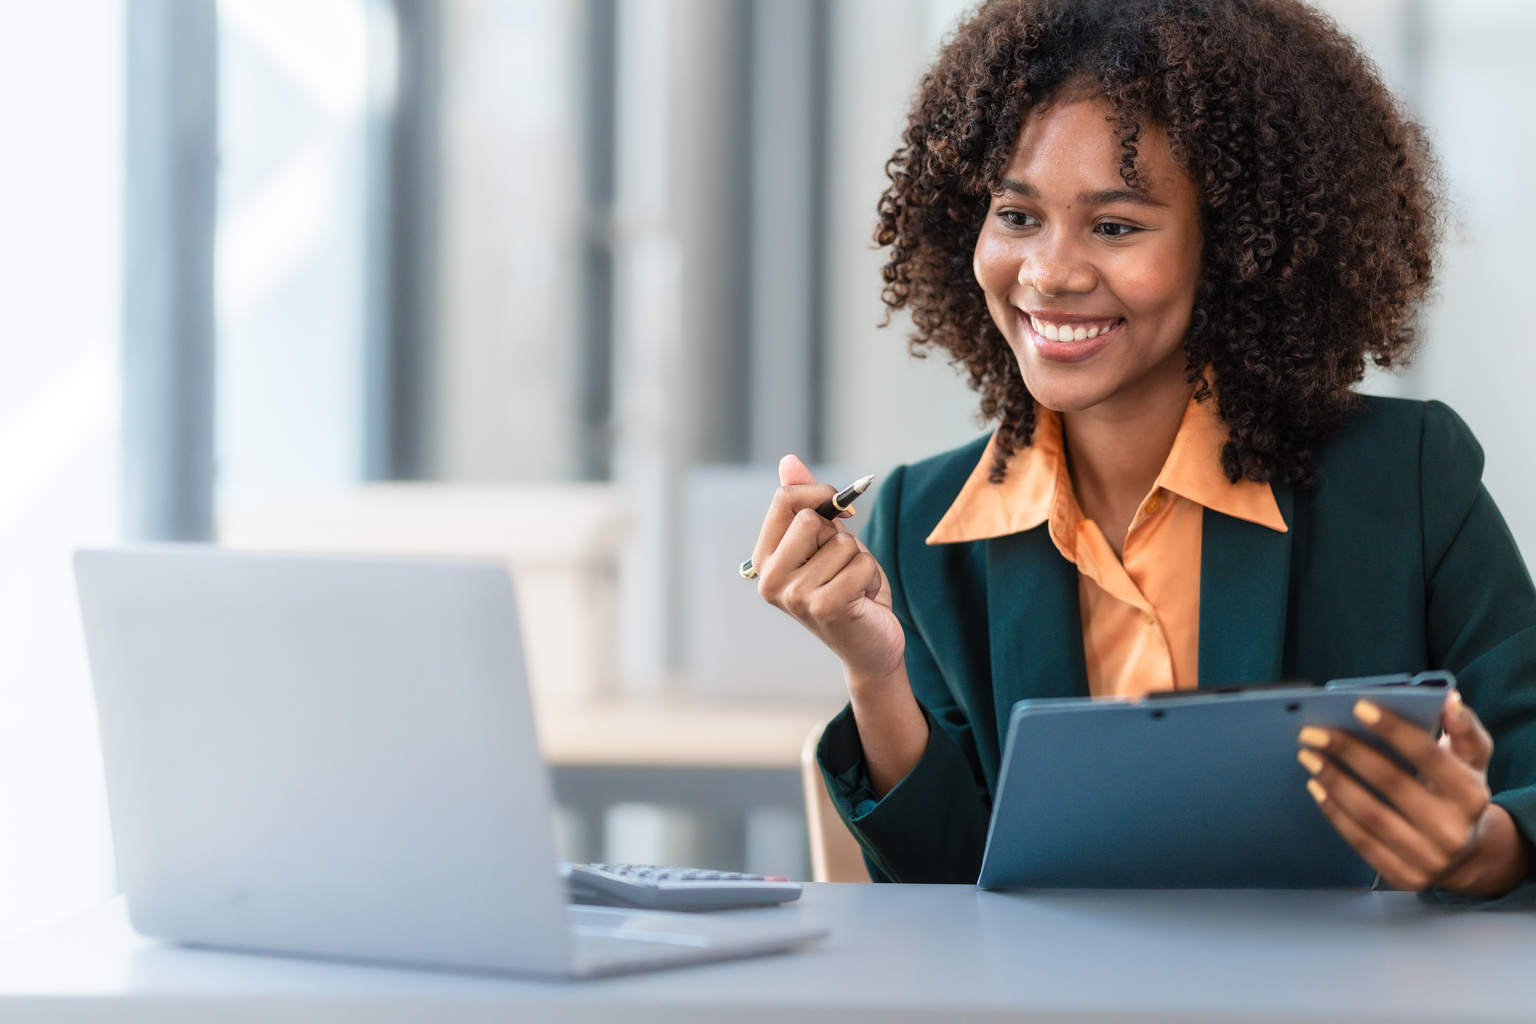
(748, 570)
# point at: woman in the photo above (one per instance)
(1163, 237)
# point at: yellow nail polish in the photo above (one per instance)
(1458, 707)
(1312, 736)
(1316, 789)
(1367, 712)
(1309, 760)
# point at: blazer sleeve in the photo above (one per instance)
(932, 825)
(1481, 606)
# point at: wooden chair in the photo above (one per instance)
(835, 854)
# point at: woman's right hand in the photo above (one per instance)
(825, 577)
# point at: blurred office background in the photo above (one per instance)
(556, 281)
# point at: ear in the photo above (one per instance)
(792, 471)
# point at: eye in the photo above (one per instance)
(1112, 230)
(1017, 218)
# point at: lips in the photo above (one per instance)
(1071, 338)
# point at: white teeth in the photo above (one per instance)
(1066, 332)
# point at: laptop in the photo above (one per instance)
(335, 757)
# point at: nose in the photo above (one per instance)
(1058, 266)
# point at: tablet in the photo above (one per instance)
(1192, 790)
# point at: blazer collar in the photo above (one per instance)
(1034, 621)
(1245, 574)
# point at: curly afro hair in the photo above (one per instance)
(1321, 201)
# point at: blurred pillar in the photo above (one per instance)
(646, 333)
(595, 291)
(788, 102)
(405, 56)
(169, 185)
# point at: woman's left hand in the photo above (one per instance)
(1438, 829)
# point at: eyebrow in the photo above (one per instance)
(1102, 198)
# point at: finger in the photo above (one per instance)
(1438, 768)
(804, 536)
(793, 471)
(878, 587)
(1375, 818)
(845, 598)
(1464, 732)
(823, 566)
(1444, 821)
(1398, 873)
(828, 594)
(788, 501)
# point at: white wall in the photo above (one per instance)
(61, 145)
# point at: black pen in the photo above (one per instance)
(844, 498)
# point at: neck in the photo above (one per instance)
(1115, 452)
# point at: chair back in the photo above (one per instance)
(835, 854)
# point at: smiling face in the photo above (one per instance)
(1092, 283)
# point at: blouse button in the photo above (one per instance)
(1154, 503)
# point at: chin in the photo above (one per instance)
(1067, 389)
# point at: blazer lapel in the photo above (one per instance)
(1036, 627)
(1244, 588)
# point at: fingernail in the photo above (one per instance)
(1367, 712)
(1458, 706)
(1313, 737)
(1316, 789)
(1310, 761)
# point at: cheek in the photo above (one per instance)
(1163, 288)
(995, 264)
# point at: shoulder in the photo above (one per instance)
(1387, 436)
(1405, 462)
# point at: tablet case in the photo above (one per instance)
(1198, 790)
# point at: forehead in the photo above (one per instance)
(1076, 143)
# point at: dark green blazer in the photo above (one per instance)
(1396, 560)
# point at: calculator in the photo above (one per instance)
(666, 888)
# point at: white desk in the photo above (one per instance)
(896, 954)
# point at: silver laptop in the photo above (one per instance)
(336, 757)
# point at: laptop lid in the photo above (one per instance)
(332, 756)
